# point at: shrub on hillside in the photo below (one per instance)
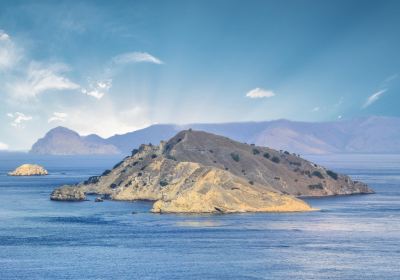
(235, 157)
(316, 187)
(318, 174)
(332, 174)
(275, 159)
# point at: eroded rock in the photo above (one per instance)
(68, 193)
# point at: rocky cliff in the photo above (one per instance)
(201, 172)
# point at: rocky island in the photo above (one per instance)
(29, 170)
(199, 172)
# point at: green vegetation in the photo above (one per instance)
(91, 180)
(275, 159)
(118, 164)
(332, 174)
(235, 157)
(266, 155)
(286, 153)
(251, 182)
(153, 156)
(318, 186)
(256, 151)
(134, 152)
(105, 173)
(163, 183)
(318, 174)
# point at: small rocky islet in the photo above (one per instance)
(29, 170)
(199, 172)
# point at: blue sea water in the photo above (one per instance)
(352, 237)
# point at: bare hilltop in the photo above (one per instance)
(197, 172)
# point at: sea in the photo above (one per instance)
(350, 237)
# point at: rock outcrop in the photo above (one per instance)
(68, 193)
(29, 170)
(200, 172)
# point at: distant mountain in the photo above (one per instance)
(63, 141)
(361, 135)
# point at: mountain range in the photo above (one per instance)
(373, 134)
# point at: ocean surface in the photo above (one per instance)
(352, 237)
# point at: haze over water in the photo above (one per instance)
(352, 237)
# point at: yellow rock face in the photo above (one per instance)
(218, 191)
(29, 170)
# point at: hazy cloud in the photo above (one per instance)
(58, 116)
(391, 78)
(315, 109)
(18, 119)
(3, 146)
(373, 98)
(260, 93)
(9, 53)
(116, 121)
(97, 89)
(4, 36)
(39, 79)
(135, 57)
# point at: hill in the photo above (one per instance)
(63, 141)
(197, 171)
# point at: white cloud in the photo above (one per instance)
(58, 116)
(116, 121)
(18, 119)
(373, 98)
(3, 146)
(260, 93)
(339, 117)
(9, 53)
(4, 36)
(98, 89)
(135, 57)
(39, 79)
(315, 109)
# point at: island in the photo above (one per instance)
(199, 172)
(29, 170)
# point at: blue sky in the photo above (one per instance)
(111, 67)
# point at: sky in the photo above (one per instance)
(110, 67)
